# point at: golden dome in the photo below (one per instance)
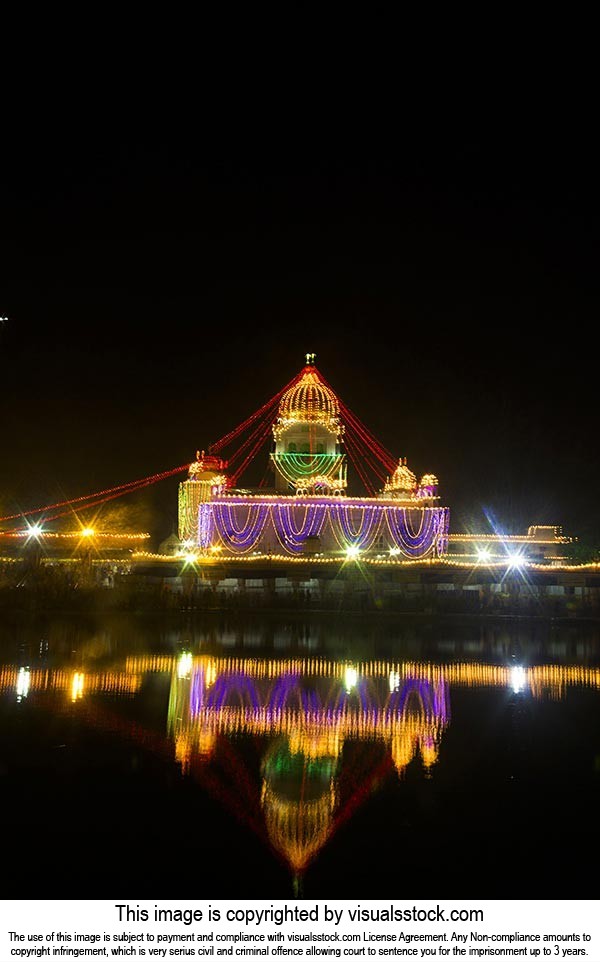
(428, 481)
(402, 479)
(309, 399)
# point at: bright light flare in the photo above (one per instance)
(483, 554)
(352, 551)
(88, 533)
(350, 678)
(23, 683)
(184, 665)
(516, 560)
(77, 686)
(518, 678)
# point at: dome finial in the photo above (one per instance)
(310, 360)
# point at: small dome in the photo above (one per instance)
(428, 481)
(402, 479)
(309, 399)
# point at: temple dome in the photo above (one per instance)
(309, 399)
(402, 479)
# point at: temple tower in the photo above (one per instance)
(308, 434)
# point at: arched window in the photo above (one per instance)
(320, 448)
(292, 447)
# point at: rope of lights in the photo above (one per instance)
(354, 456)
(115, 491)
(261, 430)
(348, 416)
(227, 438)
(265, 431)
(93, 504)
(371, 443)
(367, 456)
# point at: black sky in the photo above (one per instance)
(159, 290)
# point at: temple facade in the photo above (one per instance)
(308, 509)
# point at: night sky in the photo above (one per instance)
(159, 290)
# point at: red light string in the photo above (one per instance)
(382, 454)
(266, 430)
(363, 448)
(258, 431)
(356, 462)
(350, 418)
(98, 496)
(227, 438)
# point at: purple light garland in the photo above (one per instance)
(290, 536)
(206, 526)
(368, 528)
(415, 532)
(412, 544)
(244, 537)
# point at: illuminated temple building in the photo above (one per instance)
(308, 508)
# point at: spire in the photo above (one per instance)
(310, 360)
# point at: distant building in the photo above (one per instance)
(542, 543)
(172, 545)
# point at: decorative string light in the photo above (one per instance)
(241, 522)
(227, 524)
(292, 536)
(98, 496)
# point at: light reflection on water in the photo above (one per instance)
(316, 753)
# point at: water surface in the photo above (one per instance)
(324, 758)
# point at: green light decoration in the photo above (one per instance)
(288, 766)
(294, 465)
(186, 521)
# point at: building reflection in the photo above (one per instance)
(309, 713)
(325, 733)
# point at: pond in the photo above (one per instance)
(318, 757)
